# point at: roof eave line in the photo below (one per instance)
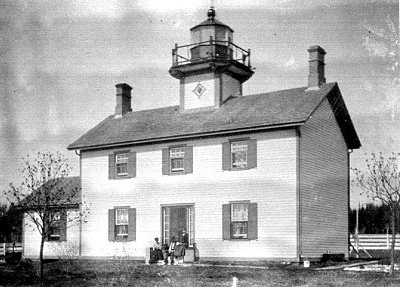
(190, 136)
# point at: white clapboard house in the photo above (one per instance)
(256, 177)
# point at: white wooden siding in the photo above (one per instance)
(230, 87)
(324, 185)
(272, 185)
(207, 99)
(52, 249)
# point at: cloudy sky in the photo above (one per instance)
(60, 61)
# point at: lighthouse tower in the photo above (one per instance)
(211, 68)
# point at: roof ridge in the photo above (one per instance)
(242, 114)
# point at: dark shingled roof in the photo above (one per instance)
(72, 187)
(238, 114)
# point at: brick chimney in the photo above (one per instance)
(317, 67)
(123, 100)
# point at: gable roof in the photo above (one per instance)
(71, 196)
(286, 108)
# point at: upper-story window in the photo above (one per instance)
(122, 165)
(239, 154)
(177, 160)
(177, 156)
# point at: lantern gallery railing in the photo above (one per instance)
(209, 50)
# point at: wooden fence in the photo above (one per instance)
(10, 248)
(375, 241)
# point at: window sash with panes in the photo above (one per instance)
(121, 223)
(121, 164)
(239, 220)
(55, 227)
(239, 154)
(177, 155)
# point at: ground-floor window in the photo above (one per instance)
(57, 226)
(122, 224)
(239, 220)
(175, 219)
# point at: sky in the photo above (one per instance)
(61, 59)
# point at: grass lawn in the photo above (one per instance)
(136, 273)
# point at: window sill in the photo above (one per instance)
(239, 168)
(178, 173)
(122, 177)
(121, 240)
(239, 239)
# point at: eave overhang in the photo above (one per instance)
(234, 68)
(187, 136)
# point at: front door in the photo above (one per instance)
(175, 218)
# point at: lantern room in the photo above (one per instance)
(211, 36)
(211, 68)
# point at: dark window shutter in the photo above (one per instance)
(111, 166)
(63, 225)
(165, 161)
(252, 154)
(188, 159)
(226, 156)
(111, 225)
(132, 164)
(226, 221)
(252, 225)
(132, 224)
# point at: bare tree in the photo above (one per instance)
(45, 192)
(380, 181)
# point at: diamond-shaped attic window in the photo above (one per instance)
(199, 90)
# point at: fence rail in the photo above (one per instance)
(10, 248)
(375, 241)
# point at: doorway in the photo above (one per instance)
(175, 218)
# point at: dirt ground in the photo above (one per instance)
(136, 273)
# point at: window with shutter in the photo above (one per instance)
(239, 154)
(122, 165)
(177, 160)
(239, 220)
(122, 224)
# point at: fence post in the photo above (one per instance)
(387, 239)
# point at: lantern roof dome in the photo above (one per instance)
(211, 21)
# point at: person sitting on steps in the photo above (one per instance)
(182, 245)
(171, 251)
(156, 253)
